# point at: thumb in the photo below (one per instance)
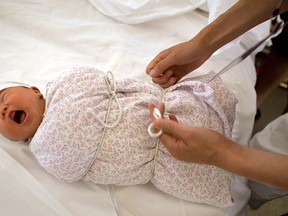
(173, 134)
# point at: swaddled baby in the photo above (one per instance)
(95, 128)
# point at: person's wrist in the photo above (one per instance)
(222, 151)
(199, 51)
(206, 42)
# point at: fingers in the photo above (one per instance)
(173, 134)
(154, 114)
(173, 117)
(173, 137)
(161, 108)
(151, 107)
(165, 80)
(160, 65)
(172, 128)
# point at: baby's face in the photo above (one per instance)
(21, 112)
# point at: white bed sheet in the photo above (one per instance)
(41, 39)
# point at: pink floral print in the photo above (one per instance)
(72, 144)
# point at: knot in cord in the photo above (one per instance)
(111, 85)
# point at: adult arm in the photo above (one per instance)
(172, 64)
(202, 145)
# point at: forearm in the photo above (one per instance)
(262, 166)
(241, 17)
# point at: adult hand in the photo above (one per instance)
(188, 143)
(170, 65)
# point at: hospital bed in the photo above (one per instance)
(41, 39)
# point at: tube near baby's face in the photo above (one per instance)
(21, 110)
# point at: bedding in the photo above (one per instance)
(40, 40)
(133, 12)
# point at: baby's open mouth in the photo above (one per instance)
(18, 116)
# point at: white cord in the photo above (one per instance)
(112, 199)
(151, 131)
(112, 93)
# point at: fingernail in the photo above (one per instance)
(173, 80)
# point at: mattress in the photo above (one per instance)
(41, 39)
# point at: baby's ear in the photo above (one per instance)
(35, 89)
(26, 140)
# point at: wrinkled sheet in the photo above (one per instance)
(41, 39)
(132, 12)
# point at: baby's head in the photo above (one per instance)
(21, 110)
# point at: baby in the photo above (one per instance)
(21, 110)
(94, 128)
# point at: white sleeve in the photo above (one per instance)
(273, 138)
